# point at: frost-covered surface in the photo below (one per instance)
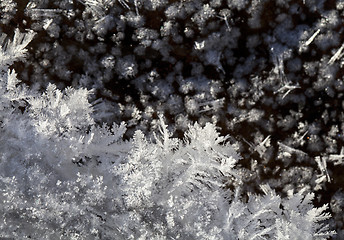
(269, 74)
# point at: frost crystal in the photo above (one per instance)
(156, 119)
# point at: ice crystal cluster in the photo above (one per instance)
(171, 119)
